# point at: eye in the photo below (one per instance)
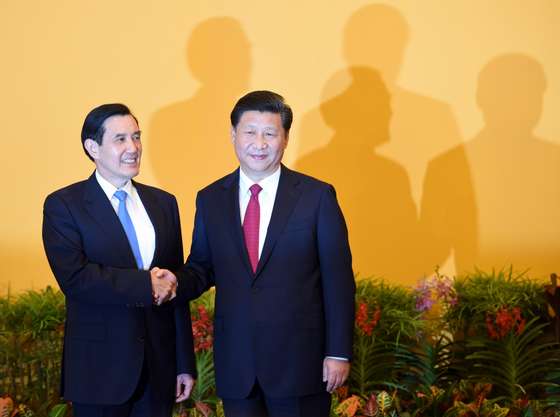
(249, 132)
(270, 134)
(136, 136)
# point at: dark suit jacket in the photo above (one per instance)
(278, 324)
(111, 326)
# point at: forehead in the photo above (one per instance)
(120, 124)
(262, 119)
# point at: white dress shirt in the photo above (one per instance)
(145, 232)
(266, 200)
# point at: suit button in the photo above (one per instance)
(141, 338)
(255, 290)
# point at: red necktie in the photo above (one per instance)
(251, 223)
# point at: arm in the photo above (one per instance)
(197, 275)
(186, 362)
(78, 277)
(337, 276)
(338, 289)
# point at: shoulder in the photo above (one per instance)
(69, 193)
(158, 192)
(224, 183)
(305, 181)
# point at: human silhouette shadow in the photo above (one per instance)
(373, 191)
(515, 178)
(189, 140)
(376, 36)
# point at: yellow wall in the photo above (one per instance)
(437, 120)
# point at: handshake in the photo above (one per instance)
(164, 285)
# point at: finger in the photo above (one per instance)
(325, 372)
(188, 388)
(182, 396)
(162, 297)
(330, 383)
(339, 382)
(178, 389)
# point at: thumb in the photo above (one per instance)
(179, 389)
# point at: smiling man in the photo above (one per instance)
(274, 244)
(127, 349)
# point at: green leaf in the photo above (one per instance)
(58, 410)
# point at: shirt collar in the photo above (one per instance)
(267, 184)
(109, 189)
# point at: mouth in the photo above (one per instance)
(130, 160)
(258, 157)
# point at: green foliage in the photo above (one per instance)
(482, 292)
(379, 342)
(206, 300)
(31, 330)
(372, 366)
(59, 410)
(204, 387)
(428, 364)
(414, 356)
(517, 365)
(399, 317)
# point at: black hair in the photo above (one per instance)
(94, 124)
(263, 101)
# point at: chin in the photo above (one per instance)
(131, 174)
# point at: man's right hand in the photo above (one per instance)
(164, 285)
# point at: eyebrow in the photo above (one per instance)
(120, 135)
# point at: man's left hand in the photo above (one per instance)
(335, 373)
(185, 384)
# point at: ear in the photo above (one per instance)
(232, 134)
(286, 140)
(92, 147)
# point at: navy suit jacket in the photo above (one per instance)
(111, 327)
(278, 324)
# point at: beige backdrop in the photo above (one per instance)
(436, 120)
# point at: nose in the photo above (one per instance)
(260, 141)
(132, 145)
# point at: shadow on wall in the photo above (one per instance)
(515, 179)
(373, 190)
(384, 137)
(189, 140)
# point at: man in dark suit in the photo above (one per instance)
(274, 244)
(127, 349)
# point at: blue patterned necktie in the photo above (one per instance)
(126, 222)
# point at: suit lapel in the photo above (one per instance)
(100, 209)
(157, 217)
(287, 196)
(231, 204)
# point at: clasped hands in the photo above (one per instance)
(164, 285)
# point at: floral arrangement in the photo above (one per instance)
(504, 321)
(436, 290)
(484, 344)
(202, 329)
